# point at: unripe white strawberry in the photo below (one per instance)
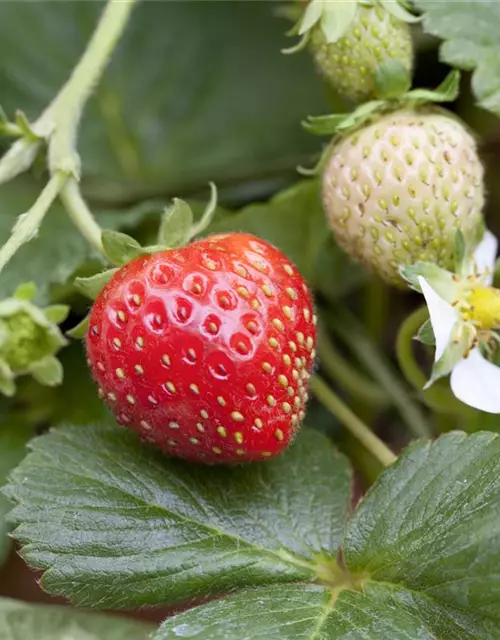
(396, 190)
(350, 64)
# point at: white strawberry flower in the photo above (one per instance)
(464, 312)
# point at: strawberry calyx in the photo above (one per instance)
(177, 228)
(335, 18)
(393, 83)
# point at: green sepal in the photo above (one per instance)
(207, 215)
(441, 280)
(336, 123)
(25, 126)
(56, 313)
(310, 17)
(93, 285)
(320, 165)
(301, 44)
(392, 80)
(454, 352)
(336, 18)
(447, 91)
(119, 247)
(175, 225)
(7, 384)
(25, 291)
(48, 371)
(80, 330)
(425, 334)
(398, 10)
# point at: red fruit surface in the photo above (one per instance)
(206, 351)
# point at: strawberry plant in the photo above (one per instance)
(275, 414)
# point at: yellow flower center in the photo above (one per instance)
(483, 308)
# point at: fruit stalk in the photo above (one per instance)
(81, 215)
(358, 429)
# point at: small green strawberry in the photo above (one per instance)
(396, 189)
(350, 40)
(29, 340)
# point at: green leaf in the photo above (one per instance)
(21, 621)
(93, 285)
(119, 247)
(115, 524)
(296, 612)
(469, 30)
(156, 124)
(430, 529)
(59, 249)
(175, 224)
(392, 79)
(446, 92)
(13, 439)
(294, 222)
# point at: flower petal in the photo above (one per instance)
(484, 256)
(476, 382)
(443, 316)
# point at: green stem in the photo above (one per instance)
(66, 109)
(81, 214)
(438, 398)
(59, 124)
(404, 352)
(10, 129)
(357, 428)
(346, 375)
(376, 306)
(27, 224)
(350, 330)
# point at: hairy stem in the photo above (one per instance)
(357, 428)
(67, 107)
(59, 125)
(81, 215)
(28, 223)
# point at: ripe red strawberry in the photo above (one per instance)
(206, 351)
